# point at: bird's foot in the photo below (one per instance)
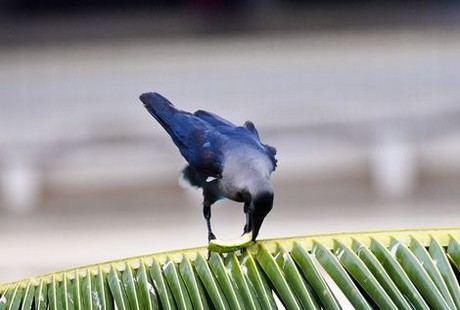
(245, 229)
(211, 236)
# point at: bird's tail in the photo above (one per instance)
(161, 109)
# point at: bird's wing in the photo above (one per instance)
(248, 129)
(269, 150)
(198, 141)
(213, 119)
(247, 135)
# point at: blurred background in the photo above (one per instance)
(361, 99)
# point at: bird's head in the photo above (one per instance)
(260, 206)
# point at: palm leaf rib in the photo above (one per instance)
(399, 269)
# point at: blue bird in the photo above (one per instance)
(224, 160)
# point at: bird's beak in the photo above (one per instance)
(259, 209)
(256, 224)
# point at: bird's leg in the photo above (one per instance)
(207, 216)
(248, 226)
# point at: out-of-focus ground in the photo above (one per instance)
(364, 112)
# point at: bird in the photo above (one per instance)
(223, 159)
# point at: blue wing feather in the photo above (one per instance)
(247, 132)
(213, 119)
(197, 141)
(201, 136)
(269, 150)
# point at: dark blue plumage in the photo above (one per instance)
(196, 139)
(215, 147)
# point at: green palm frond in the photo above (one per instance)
(401, 269)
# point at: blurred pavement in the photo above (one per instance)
(367, 126)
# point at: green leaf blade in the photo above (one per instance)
(418, 275)
(431, 269)
(398, 275)
(249, 299)
(294, 279)
(271, 269)
(380, 274)
(129, 288)
(86, 290)
(207, 278)
(439, 257)
(28, 297)
(311, 273)
(218, 268)
(160, 286)
(358, 270)
(193, 285)
(104, 299)
(145, 291)
(75, 288)
(41, 300)
(340, 276)
(176, 284)
(5, 298)
(453, 251)
(15, 299)
(115, 286)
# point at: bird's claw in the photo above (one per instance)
(211, 236)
